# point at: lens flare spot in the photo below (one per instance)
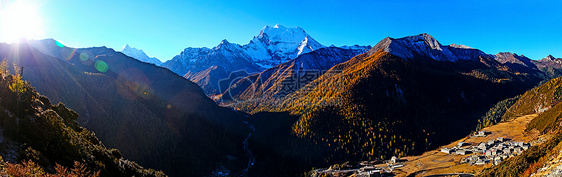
(84, 56)
(134, 85)
(101, 66)
(59, 44)
(70, 54)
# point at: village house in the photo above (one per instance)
(499, 139)
(447, 150)
(481, 162)
(492, 151)
(463, 152)
(481, 134)
(461, 144)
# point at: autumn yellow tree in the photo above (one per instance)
(4, 67)
(17, 85)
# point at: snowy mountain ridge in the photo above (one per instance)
(278, 44)
(271, 47)
(354, 47)
(139, 55)
(425, 45)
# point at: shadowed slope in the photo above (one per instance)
(34, 129)
(154, 116)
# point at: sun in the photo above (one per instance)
(19, 20)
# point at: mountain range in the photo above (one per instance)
(420, 95)
(289, 103)
(155, 117)
(420, 48)
(403, 96)
(271, 47)
(285, 78)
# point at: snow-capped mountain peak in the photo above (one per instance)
(279, 33)
(278, 44)
(272, 46)
(130, 49)
(224, 41)
(223, 45)
(139, 55)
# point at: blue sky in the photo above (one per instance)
(164, 28)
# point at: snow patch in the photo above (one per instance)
(271, 47)
(139, 55)
(278, 44)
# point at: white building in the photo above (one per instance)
(447, 150)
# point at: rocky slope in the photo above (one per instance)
(285, 78)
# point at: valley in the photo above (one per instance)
(421, 95)
(221, 89)
(246, 143)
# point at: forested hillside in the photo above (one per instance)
(380, 105)
(47, 138)
(545, 101)
(155, 117)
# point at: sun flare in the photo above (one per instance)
(19, 19)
